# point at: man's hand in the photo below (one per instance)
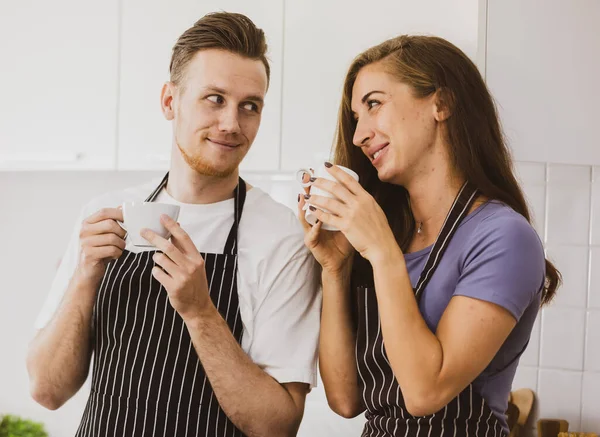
(102, 240)
(181, 270)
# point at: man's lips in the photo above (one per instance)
(223, 143)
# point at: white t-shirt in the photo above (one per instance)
(277, 277)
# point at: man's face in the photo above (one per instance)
(216, 110)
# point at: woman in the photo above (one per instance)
(431, 288)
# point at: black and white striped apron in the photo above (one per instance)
(147, 379)
(466, 415)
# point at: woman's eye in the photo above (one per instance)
(372, 103)
(215, 98)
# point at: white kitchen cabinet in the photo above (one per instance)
(543, 66)
(59, 84)
(321, 39)
(149, 31)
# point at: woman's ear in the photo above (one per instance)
(443, 104)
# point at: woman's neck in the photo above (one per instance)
(431, 197)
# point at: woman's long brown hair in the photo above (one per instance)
(477, 146)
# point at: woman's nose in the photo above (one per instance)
(362, 135)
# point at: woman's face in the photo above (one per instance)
(395, 130)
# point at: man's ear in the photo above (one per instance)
(167, 102)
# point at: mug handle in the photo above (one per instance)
(300, 176)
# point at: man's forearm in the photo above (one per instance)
(59, 356)
(257, 404)
(337, 341)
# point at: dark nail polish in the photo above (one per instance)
(316, 221)
(298, 197)
(307, 196)
(328, 164)
(312, 208)
(313, 179)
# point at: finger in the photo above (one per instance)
(178, 244)
(108, 226)
(344, 178)
(167, 264)
(166, 246)
(102, 252)
(301, 214)
(331, 204)
(307, 175)
(335, 188)
(326, 218)
(180, 238)
(312, 237)
(161, 276)
(105, 214)
(103, 240)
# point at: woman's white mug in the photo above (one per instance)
(140, 215)
(304, 174)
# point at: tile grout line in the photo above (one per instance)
(588, 293)
(280, 158)
(545, 237)
(116, 160)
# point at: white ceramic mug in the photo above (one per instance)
(140, 215)
(320, 172)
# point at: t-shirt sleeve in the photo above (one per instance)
(65, 271)
(504, 265)
(286, 322)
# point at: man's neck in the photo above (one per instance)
(188, 186)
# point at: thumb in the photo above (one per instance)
(312, 237)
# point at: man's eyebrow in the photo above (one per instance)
(251, 98)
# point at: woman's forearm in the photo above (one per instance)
(415, 353)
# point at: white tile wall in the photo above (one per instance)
(590, 417)
(569, 204)
(562, 338)
(592, 349)
(559, 396)
(596, 206)
(564, 350)
(526, 377)
(532, 176)
(573, 262)
(594, 292)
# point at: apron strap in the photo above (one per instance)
(459, 210)
(158, 189)
(239, 200)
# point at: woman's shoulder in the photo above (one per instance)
(499, 227)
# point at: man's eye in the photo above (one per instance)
(251, 107)
(215, 98)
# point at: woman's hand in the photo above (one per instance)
(330, 248)
(355, 213)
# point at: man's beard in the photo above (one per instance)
(203, 167)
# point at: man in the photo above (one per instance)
(219, 343)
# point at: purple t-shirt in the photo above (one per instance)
(494, 256)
